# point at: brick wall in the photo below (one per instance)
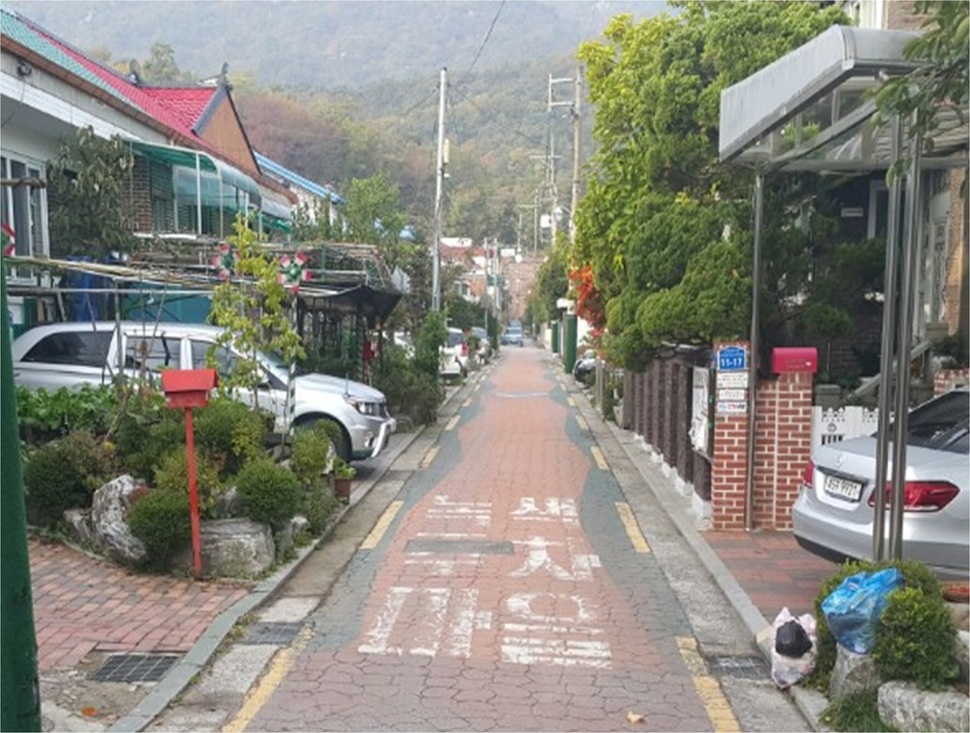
(900, 16)
(141, 199)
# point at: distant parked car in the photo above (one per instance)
(512, 336)
(833, 515)
(74, 354)
(454, 355)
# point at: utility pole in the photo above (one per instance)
(551, 168)
(439, 185)
(574, 200)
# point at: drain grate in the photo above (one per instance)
(460, 547)
(272, 632)
(751, 668)
(134, 668)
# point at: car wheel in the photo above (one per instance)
(341, 445)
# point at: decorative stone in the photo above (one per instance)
(906, 707)
(228, 505)
(79, 523)
(109, 520)
(963, 655)
(232, 548)
(852, 673)
(286, 537)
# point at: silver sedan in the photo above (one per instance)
(833, 515)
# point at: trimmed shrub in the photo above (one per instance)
(915, 575)
(916, 639)
(409, 390)
(64, 474)
(231, 432)
(172, 474)
(162, 522)
(319, 505)
(270, 493)
(146, 431)
(311, 452)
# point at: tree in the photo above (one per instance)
(253, 307)
(664, 227)
(88, 193)
(372, 215)
(160, 66)
(943, 81)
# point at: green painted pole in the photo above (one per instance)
(19, 690)
(554, 326)
(569, 347)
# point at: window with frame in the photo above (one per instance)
(153, 353)
(24, 208)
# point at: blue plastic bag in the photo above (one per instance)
(853, 608)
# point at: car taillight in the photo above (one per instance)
(808, 475)
(464, 349)
(922, 496)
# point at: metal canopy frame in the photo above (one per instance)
(825, 84)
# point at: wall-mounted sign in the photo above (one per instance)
(732, 408)
(853, 212)
(732, 359)
(699, 405)
(731, 395)
(732, 380)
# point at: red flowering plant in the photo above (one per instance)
(589, 301)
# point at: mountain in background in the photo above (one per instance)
(323, 44)
(344, 90)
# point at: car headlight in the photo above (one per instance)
(371, 409)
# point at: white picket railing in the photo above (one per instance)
(832, 425)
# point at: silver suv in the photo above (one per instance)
(73, 354)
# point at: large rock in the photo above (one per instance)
(233, 548)
(109, 520)
(852, 673)
(906, 707)
(228, 505)
(286, 537)
(963, 655)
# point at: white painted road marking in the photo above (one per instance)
(556, 509)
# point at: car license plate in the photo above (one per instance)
(843, 488)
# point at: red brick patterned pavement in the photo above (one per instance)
(83, 605)
(773, 570)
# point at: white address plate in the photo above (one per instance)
(843, 488)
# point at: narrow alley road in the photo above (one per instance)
(507, 586)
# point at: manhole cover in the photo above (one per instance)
(742, 667)
(134, 668)
(460, 547)
(272, 632)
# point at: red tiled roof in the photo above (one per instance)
(177, 108)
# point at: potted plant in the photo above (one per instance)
(343, 474)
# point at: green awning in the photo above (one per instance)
(196, 160)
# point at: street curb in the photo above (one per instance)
(196, 659)
(810, 703)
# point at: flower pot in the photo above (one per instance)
(341, 488)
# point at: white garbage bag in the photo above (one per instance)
(787, 640)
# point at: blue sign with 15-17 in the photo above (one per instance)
(732, 359)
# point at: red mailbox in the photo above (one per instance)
(188, 387)
(802, 359)
(185, 389)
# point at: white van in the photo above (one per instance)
(72, 354)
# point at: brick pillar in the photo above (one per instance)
(729, 466)
(783, 444)
(655, 405)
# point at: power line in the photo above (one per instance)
(484, 43)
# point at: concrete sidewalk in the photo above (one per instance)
(86, 608)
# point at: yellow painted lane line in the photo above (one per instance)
(599, 457)
(570, 401)
(265, 688)
(632, 528)
(373, 539)
(467, 403)
(708, 690)
(428, 457)
(583, 425)
(453, 422)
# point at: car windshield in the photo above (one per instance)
(455, 338)
(942, 424)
